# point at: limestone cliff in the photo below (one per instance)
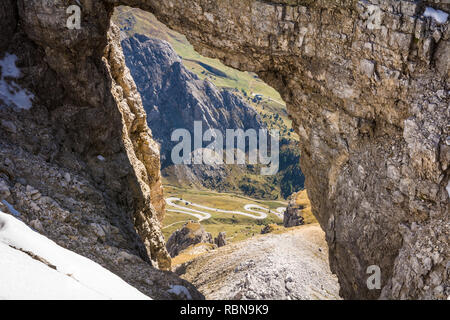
(366, 84)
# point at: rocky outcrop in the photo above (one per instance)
(221, 239)
(191, 234)
(293, 215)
(366, 84)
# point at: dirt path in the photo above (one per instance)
(292, 265)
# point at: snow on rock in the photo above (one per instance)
(10, 91)
(34, 267)
(438, 15)
(180, 291)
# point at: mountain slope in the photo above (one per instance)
(266, 100)
(174, 97)
(291, 265)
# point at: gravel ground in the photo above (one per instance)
(292, 265)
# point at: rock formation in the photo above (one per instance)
(366, 84)
(174, 98)
(221, 239)
(192, 233)
(293, 216)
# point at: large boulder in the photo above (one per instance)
(293, 216)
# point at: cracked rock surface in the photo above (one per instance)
(367, 87)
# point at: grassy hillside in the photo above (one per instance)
(237, 227)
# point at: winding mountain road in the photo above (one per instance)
(289, 266)
(259, 214)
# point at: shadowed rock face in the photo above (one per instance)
(98, 110)
(370, 104)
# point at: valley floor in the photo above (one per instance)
(239, 216)
(291, 265)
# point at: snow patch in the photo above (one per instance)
(10, 91)
(438, 15)
(180, 291)
(59, 274)
(101, 158)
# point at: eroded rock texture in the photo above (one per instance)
(81, 166)
(191, 234)
(368, 94)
